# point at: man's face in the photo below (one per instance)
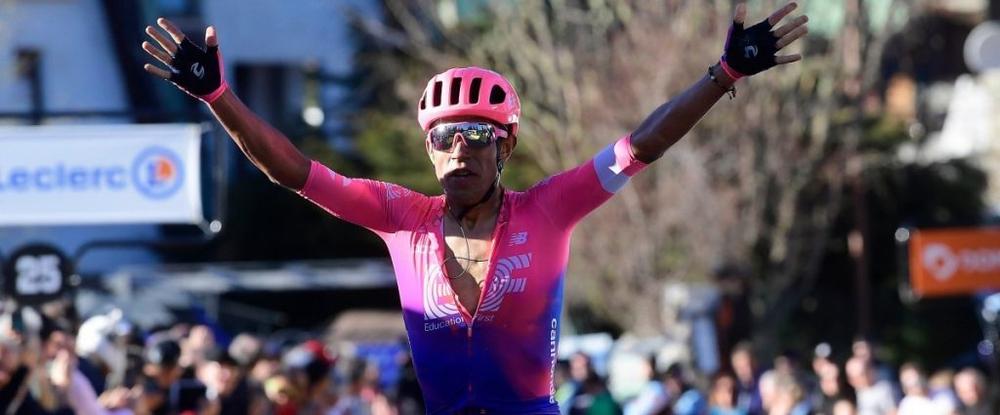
(722, 391)
(466, 173)
(57, 341)
(862, 349)
(858, 373)
(579, 367)
(163, 375)
(967, 389)
(743, 365)
(10, 358)
(221, 377)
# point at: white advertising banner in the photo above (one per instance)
(100, 174)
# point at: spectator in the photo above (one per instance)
(410, 400)
(653, 397)
(874, 396)
(830, 387)
(595, 399)
(722, 396)
(227, 392)
(162, 391)
(14, 372)
(76, 389)
(788, 363)
(766, 389)
(196, 344)
(309, 366)
(362, 396)
(916, 400)
(585, 393)
(864, 348)
(580, 367)
(970, 386)
(57, 337)
(264, 369)
(246, 349)
(23, 390)
(282, 395)
(844, 407)
(788, 397)
(941, 392)
(99, 342)
(748, 396)
(685, 399)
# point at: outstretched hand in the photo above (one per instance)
(195, 70)
(753, 50)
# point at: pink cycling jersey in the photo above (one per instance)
(501, 359)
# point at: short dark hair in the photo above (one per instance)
(743, 346)
(164, 352)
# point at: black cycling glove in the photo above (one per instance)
(749, 51)
(198, 71)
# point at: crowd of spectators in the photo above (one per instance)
(108, 366)
(860, 385)
(49, 365)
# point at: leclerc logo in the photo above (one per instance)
(157, 173)
(940, 261)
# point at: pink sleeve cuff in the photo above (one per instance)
(625, 161)
(210, 98)
(730, 71)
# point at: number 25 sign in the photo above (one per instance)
(36, 273)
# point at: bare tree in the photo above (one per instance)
(759, 181)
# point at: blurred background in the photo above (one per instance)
(824, 243)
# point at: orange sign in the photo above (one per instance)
(954, 261)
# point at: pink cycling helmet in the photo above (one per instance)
(469, 91)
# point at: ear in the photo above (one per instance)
(430, 151)
(507, 147)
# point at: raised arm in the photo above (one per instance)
(747, 52)
(199, 72)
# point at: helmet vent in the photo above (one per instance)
(437, 94)
(474, 90)
(456, 87)
(423, 101)
(497, 95)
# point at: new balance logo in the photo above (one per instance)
(519, 238)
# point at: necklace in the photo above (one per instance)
(468, 249)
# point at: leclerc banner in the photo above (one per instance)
(954, 261)
(100, 174)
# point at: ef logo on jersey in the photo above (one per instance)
(439, 299)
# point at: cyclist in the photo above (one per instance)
(480, 269)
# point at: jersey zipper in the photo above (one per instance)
(470, 318)
(497, 231)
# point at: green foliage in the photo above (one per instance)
(266, 222)
(394, 151)
(883, 135)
